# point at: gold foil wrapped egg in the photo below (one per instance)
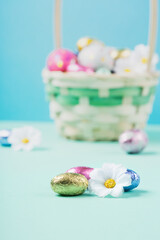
(83, 42)
(122, 53)
(69, 184)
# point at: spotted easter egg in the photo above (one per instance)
(59, 59)
(69, 184)
(83, 42)
(122, 53)
(135, 180)
(81, 170)
(133, 141)
(91, 56)
(78, 68)
(95, 56)
(4, 135)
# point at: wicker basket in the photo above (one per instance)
(98, 107)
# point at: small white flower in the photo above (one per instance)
(109, 180)
(140, 56)
(125, 65)
(137, 62)
(25, 138)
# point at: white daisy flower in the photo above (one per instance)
(140, 56)
(125, 65)
(109, 180)
(25, 138)
(137, 62)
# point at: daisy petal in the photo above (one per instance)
(98, 189)
(108, 170)
(28, 147)
(117, 191)
(98, 175)
(17, 147)
(118, 171)
(124, 180)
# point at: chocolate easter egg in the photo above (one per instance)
(81, 170)
(69, 184)
(122, 53)
(59, 60)
(4, 135)
(95, 56)
(133, 141)
(135, 180)
(83, 42)
(91, 56)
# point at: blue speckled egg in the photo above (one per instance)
(135, 180)
(4, 134)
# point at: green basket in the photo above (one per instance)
(96, 107)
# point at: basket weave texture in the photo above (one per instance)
(97, 107)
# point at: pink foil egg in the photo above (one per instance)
(81, 170)
(78, 68)
(133, 141)
(59, 59)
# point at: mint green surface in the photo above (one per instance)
(29, 210)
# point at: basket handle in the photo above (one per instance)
(152, 28)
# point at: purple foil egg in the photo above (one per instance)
(133, 141)
(81, 170)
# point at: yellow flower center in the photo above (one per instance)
(110, 183)
(60, 64)
(144, 60)
(25, 140)
(127, 70)
(102, 59)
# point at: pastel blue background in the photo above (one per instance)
(26, 38)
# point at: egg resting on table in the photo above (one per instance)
(69, 184)
(59, 59)
(133, 141)
(4, 135)
(81, 170)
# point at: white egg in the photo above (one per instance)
(107, 60)
(95, 56)
(91, 56)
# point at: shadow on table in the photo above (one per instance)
(85, 195)
(149, 153)
(135, 193)
(131, 194)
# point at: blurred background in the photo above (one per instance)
(26, 38)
